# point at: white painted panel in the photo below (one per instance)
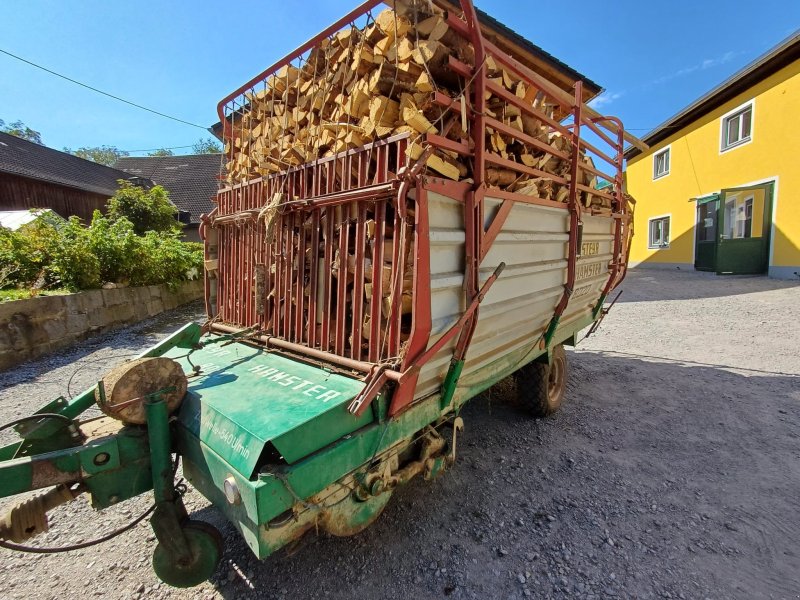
(520, 304)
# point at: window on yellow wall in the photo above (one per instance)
(658, 233)
(661, 163)
(737, 128)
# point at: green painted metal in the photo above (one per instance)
(598, 307)
(109, 485)
(276, 427)
(707, 199)
(124, 474)
(278, 486)
(245, 397)
(744, 256)
(204, 551)
(706, 233)
(451, 382)
(551, 331)
(512, 361)
(160, 449)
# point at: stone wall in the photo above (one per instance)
(36, 326)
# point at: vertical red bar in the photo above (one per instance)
(375, 317)
(325, 329)
(289, 275)
(341, 296)
(396, 284)
(277, 257)
(299, 326)
(357, 303)
(228, 273)
(421, 316)
(222, 255)
(247, 257)
(311, 335)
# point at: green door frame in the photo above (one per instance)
(744, 256)
(705, 251)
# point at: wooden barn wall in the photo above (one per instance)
(20, 193)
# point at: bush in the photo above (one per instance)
(147, 210)
(15, 259)
(116, 246)
(74, 264)
(78, 257)
(166, 259)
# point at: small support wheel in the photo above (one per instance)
(205, 545)
(541, 386)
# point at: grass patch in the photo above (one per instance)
(21, 294)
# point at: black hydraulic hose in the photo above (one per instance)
(100, 540)
(36, 416)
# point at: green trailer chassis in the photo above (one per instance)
(266, 438)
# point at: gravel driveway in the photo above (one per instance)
(673, 471)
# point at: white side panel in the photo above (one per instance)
(520, 304)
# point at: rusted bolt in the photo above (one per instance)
(377, 487)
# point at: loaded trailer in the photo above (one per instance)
(409, 213)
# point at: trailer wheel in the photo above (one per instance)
(541, 386)
(206, 547)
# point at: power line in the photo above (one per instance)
(94, 89)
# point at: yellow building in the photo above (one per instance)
(719, 189)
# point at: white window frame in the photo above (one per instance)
(740, 223)
(650, 244)
(723, 126)
(668, 151)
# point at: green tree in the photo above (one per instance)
(20, 130)
(161, 152)
(206, 146)
(104, 155)
(147, 210)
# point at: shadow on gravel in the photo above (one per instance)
(644, 285)
(657, 479)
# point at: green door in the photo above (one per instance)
(705, 249)
(744, 221)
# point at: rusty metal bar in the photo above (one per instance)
(447, 144)
(341, 299)
(327, 311)
(528, 108)
(524, 137)
(510, 164)
(274, 342)
(313, 281)
(357, 304)
(574, 220)
(375, 305)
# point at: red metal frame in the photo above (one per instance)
(334, 194)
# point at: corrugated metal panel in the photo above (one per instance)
(520, 305)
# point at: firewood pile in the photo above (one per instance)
(364, 84)
(368, 83)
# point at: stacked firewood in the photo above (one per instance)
(356, 87)
(364, 84)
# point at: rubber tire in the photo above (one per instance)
(206, 545)
(541, 386)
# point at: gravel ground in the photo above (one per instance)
(672, 471)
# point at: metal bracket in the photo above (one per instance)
(603, 312)
(458, 425)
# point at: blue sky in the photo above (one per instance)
(182, 57)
